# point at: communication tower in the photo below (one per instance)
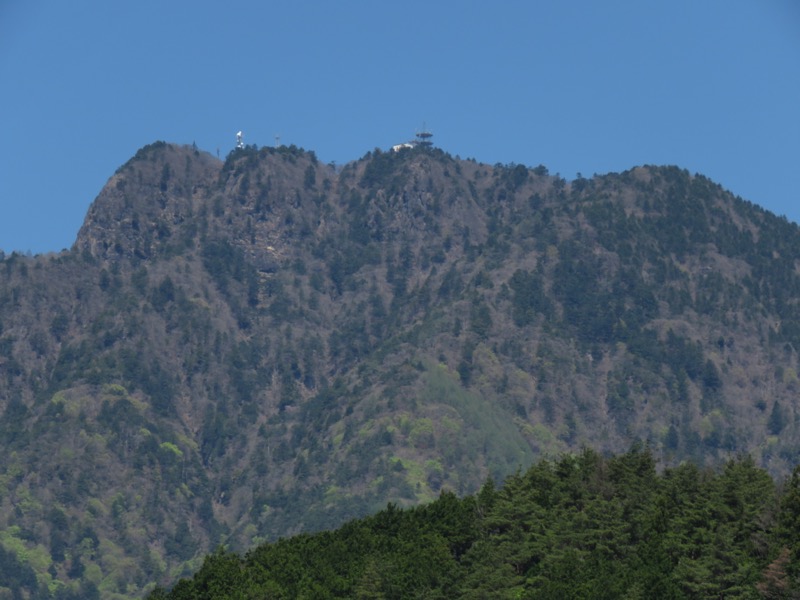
(424, 137)
(239, 142)
(421, 138)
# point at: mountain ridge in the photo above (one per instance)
(252, 348)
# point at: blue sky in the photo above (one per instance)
(579, 86)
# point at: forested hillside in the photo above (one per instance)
(237, 351)
(577, 527)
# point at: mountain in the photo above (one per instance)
(237, 351)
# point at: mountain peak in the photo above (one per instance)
(143, 205)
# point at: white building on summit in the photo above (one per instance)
(422, 138)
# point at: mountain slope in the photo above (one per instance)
(237, 351)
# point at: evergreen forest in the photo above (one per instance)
(580, 526)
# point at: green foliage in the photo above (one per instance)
(381, 169)
(529, 298)
(486, 427)
(17, 576)
(581, 526)
(777, 420)
(148, 152)
(225, 263)
(310, 177)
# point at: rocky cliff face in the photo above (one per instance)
(148, 204)
(236, 351)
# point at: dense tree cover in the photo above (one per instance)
(581, 526)
(241, 351)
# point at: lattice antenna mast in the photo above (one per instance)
(424, 137)
(239, 140)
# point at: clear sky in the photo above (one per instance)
(581, 86)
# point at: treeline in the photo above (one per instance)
(581, 526)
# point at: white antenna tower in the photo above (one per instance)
(239, 142)
(277, 139)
